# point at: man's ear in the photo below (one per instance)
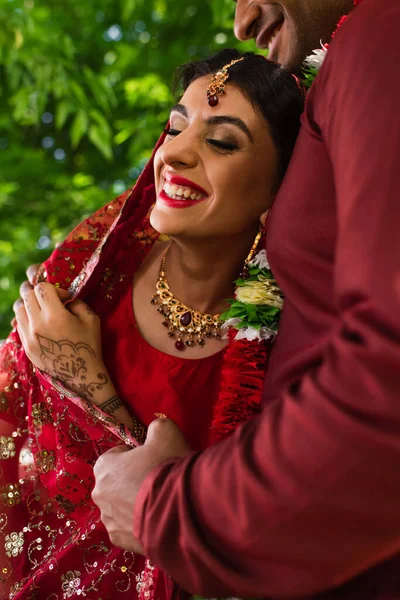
(263, 217)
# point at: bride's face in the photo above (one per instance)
(216, 171)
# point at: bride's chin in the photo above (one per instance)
(164, 223)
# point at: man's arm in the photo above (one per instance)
(307, 495)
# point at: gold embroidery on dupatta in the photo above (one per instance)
(40, 414)
(45, 460)
(70, 583)
(11, 494)
(14, 544)
(66, 504)
(3, 403)
(145, 581)
(125, 584)
(7, 448)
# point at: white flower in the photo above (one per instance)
(260, 260)
(229, 324)
(260, 293)
(250, 333)
(316, 59)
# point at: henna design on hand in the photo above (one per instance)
(41, 292)
(111, 405)
(66, 362)
(26, 304)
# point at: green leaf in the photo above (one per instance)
(79, 128)
(64, 109)
(99, 141)
(128, 8)
(79, 93)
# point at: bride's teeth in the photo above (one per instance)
(173, 190)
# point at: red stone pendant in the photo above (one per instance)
(179, 345)
(186, 319)
(213, 100)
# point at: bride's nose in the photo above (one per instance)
(180, 150)
(247, 14)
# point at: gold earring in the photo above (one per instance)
(253, 250)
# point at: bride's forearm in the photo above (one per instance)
(111, 403)
(107, 399)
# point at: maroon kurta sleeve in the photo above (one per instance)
(307, 496)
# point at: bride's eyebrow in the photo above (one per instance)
(180, 108)
(225, 119)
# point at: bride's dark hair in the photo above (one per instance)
(271, 89)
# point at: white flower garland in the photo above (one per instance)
(257, 305)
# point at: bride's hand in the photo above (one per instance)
(66, 344)
(63, 342)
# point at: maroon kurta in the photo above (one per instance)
(307, 497)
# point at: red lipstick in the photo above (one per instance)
(182, 182)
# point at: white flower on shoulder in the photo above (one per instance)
(316, 59)
(250, 334)
(260, 260)
(230, 324)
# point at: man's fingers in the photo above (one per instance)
(165, 435)
(162, 427)
(115, 450)
(31, 273)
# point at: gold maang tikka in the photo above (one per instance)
(217, 83)
(188, 326)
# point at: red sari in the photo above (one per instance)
(53, 545)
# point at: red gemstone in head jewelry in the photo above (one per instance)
(217, 83)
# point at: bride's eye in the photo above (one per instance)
(223, 147)
(172, 132)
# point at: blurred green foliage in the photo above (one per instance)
(84, 95)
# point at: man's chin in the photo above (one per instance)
(293, 61)
(286, 52)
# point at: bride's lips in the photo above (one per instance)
(181, 182)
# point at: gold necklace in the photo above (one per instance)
(185, 324)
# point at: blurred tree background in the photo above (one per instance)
(84, 95)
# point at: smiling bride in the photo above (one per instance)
(142, 333)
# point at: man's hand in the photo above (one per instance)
(120, 473)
